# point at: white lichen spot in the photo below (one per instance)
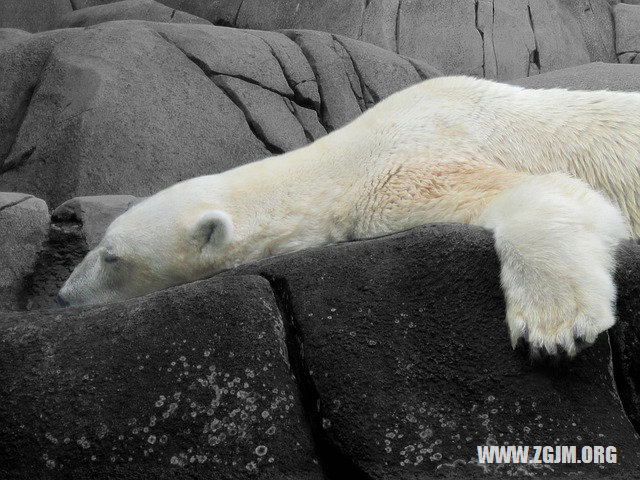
(261, 450)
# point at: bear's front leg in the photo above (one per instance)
(556, 239)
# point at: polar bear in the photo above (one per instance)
(528, 164)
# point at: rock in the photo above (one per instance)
(11, 36)
(625, 335)
(627, 22)
(24, 227)
(501, 39)
(593, 76)
(33, 15)
(126, 10)
(352, 76)
(95, 214)
(192, 382)
(119, 110)
(77, 226)
(132, 107)
(407, 367)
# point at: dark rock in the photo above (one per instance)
(33, 15)
(593, 76)
(407, 366)
(24, 227)
(95, 214)
(191, 382)
(132, 107)
(149, 10)
(627, 22)
(625, 335)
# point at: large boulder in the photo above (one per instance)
(126, 10)
(407, 368)
(193, 382)
(32, 15)
(501, 39)
(24, 228)
(627, 24)
(131, 107)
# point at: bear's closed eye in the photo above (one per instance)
(110, 258)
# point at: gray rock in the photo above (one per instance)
(501, 39)
(192, 382)
(120, 110)
(625, 335)
(593, 76)
(126, 10)
(24, 227)
(94, 214)
(407, 365)
(627, 21)
(33, 15)
(131, 107)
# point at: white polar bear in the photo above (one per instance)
(451, 149)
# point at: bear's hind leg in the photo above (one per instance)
(556, 239)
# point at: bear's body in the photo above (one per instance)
(450, 149)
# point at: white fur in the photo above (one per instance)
(450, 149)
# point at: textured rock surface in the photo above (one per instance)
(502, 39)
(126, 10)
(407, 367)
(593, 76)
(625, 335)
(24, 226)
(132, 107)
(192, 382)
(627, 24)
(94, 213)
(32, 15)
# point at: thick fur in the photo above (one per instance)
(528, 164)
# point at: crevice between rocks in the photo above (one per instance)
(369, 98)
(334, 463)
(297, 97)
(534, 55)
(322, 111)
(254, 126)
(17, 202)
(63, 249)
(397, 28)
(621, 381)
(481, 32)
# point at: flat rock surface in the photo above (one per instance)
(24, 228)
(407, 366)
(593, 76)
(32, 15)
(192, 382)
(132, 107)
(126, 10)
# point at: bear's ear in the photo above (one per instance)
(214, 227)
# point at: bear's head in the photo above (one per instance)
(168, 239)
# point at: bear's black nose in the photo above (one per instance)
(61, 301)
